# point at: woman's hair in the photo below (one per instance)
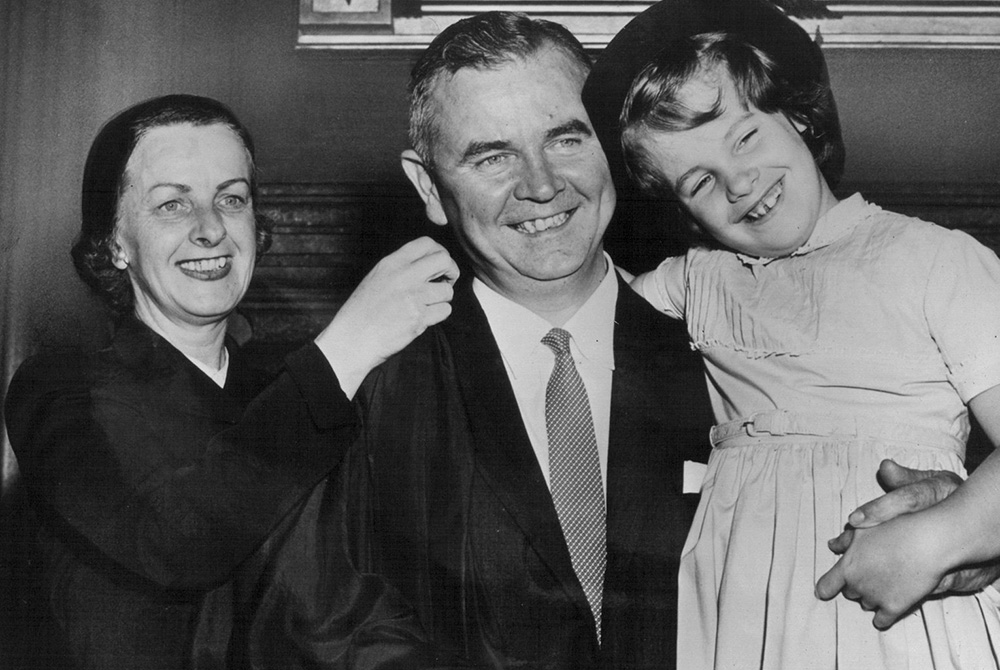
(483, 41)
(104, 183)
(655, 103)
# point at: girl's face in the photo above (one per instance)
(746, 177)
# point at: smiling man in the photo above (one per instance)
(524, 460)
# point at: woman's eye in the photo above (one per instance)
(170, 207)
(233, 201)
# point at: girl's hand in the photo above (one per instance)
(890, 569)
(405, 293)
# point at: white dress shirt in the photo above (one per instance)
(519, 331)
(217, 376)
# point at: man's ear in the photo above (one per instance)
(421, 179)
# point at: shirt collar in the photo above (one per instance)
(217, 376)
(519, 331)
(832, 226)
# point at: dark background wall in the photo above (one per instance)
(923, 120)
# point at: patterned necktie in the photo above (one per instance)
(575, 471)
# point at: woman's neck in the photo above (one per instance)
(202, 342)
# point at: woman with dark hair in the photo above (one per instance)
(154, 468)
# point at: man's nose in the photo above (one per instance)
(538, 180)
(740, 181)
(209, 228)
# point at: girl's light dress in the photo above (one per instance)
(864, 344)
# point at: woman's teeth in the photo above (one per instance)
(205, 264)
(539, 225)
(766, 203)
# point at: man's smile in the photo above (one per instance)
(534, 226)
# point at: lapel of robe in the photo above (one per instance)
(504, 456)
(648, 435)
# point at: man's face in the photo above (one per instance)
(520, 174)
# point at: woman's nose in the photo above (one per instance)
(209, 228)
(538, 181)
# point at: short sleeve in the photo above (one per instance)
(962, 307)
(665, 287)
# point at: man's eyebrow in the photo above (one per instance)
(479, 148)
(574, 127)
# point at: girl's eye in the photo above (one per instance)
(700, 184)
(746, 138)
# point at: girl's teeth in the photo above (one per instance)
(766, 203)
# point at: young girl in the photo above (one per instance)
(834, 335)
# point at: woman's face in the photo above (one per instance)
(185, 231)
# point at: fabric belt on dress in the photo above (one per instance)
(779, 422)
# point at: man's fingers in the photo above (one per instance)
(839, 544)
(909, 491)
(892, 475)
(830, 584)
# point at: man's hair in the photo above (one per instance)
(483, 41)
(104, 182)
(655, 101)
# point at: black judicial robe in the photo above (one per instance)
(450, 504)
(147, 492)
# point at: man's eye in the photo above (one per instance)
(492, 161)
(569, 142)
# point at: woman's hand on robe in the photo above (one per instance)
(405, 293)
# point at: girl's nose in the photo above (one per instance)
(740, 182)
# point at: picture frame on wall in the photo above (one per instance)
(411, 24)
(344, 13)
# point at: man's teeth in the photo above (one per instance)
(206, 264)
(766, 203)
(538, 225)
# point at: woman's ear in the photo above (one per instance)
(421, 179)
(118, 256)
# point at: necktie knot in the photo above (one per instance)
(557, 340)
